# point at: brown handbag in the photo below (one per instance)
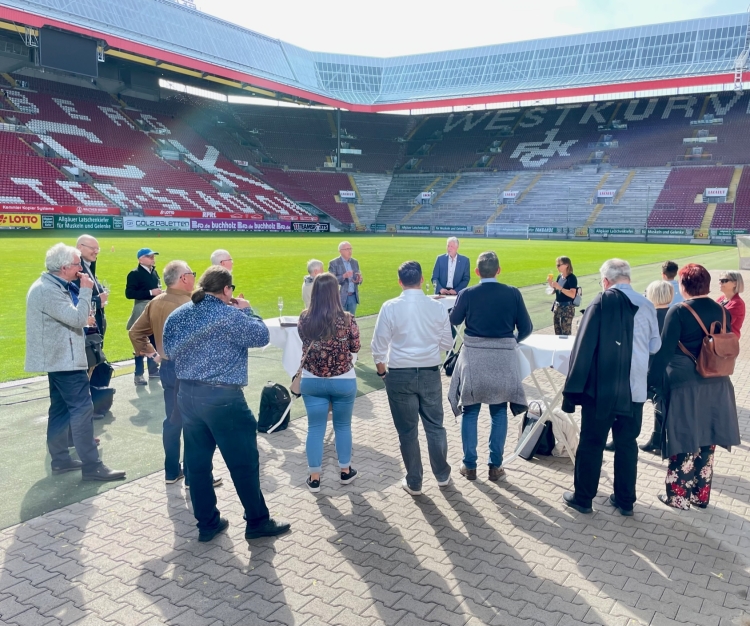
(718, 351)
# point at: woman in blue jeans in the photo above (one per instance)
(329, 336)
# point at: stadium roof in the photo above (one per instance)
(686, 54)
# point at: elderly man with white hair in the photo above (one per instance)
(314, 267)
(607, 378)
(223, 258)
(451, 273)
(56, 317)
(346, 271)
(88, 248)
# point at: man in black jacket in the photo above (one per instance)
(88, 247)
(143, 285)
(599, 381)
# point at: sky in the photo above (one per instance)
(386, 28)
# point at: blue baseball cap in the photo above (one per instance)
(144, 252)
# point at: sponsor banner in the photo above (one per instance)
(311, 227)
(546, 229)
(13, 221)
(728, 232)
(425, 195)
(700, 234)
(347, 195)
(156, 223)
(612, 231)
(209, 214)
(451, 229)
(415, 227)
(82, 222)
(665, 231)
(582, 232)
(351, 151)
(378, 227)
(60, 210)
(304, 218)
(605, 193)
(716, 192)
(510, 194)
(239, 226)
(479, 230)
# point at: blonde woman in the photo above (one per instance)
(660, 293)
(565, 292)
(732, 286)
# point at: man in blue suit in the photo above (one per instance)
(451, 272)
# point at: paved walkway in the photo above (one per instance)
(477, 553)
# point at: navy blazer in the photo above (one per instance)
(461, 276)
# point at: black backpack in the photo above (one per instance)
(275, 405)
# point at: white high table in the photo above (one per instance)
(542, 352)
(448, 302)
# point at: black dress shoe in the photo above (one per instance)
(70, 466)
(207, 535)
(625, 512)
(271, 528)
(652, 445)
(610, 447)
(570, 499)
(103, 474)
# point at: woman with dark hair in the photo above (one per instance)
(699, 413)
(329, 336)
(565, 288)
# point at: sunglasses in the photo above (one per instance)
(232, 286)
(725, 280)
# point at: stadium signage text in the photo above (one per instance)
(59, 210)
(379, 227)
(311, 227)
(209, 214)
(716, 192)
(665, 231)
(13, 221)
(612, 231)
(239, 226)
(156, 223)
(728, 232)
(414, 227)
(82, 222)
(452, 229)
(510, 195)
(347, 195)
(605, 193)
(546, 229)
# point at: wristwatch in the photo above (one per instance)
(383, 374)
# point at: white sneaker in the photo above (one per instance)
(411, 492)
(444, 483)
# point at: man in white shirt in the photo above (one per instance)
(410, 332)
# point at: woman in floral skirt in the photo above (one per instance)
(699, 413)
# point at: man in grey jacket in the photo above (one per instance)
(56, 315)
(346, 271)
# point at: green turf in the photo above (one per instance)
(269, 266)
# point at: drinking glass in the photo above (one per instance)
(549, 289)
(434, 287)
(281, 305)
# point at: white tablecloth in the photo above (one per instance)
(543, 351)
(287, 338)
(446, 301)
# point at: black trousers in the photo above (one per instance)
(594, 430)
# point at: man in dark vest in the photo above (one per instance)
(143, 285)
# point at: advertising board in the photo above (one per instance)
(82, 222)
(190, 214)
(347, 195)
(716, 192)
(668, 232)
(59, 210)
(311, 227)
(239, 226)
(510, 194)
(12, 221)
(612, 231)
(451, 229)
(414, 227)
(156, 223)
(606, 193)
(381, 228)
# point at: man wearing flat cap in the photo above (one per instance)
(143, 285)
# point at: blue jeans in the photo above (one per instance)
(350, 306)
(152, 366)
(71, 409)
(171, 432)
(498, 432)
(219, 416)
(317, 393)
(415, 394)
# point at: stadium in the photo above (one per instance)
(149, 123)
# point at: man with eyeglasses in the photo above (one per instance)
(346, 271)
(56, 317)
(147, 332)
(88, 248)
(143, 285)
(207, 339)
(222, 258)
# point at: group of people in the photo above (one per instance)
(195, 335)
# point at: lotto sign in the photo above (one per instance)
(10, 221)
(156, 223)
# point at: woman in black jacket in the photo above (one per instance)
(699, 413)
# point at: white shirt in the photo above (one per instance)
(451, 271)
(411, 330)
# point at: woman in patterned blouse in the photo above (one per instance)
(329, 336)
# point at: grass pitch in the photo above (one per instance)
(267, 267)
